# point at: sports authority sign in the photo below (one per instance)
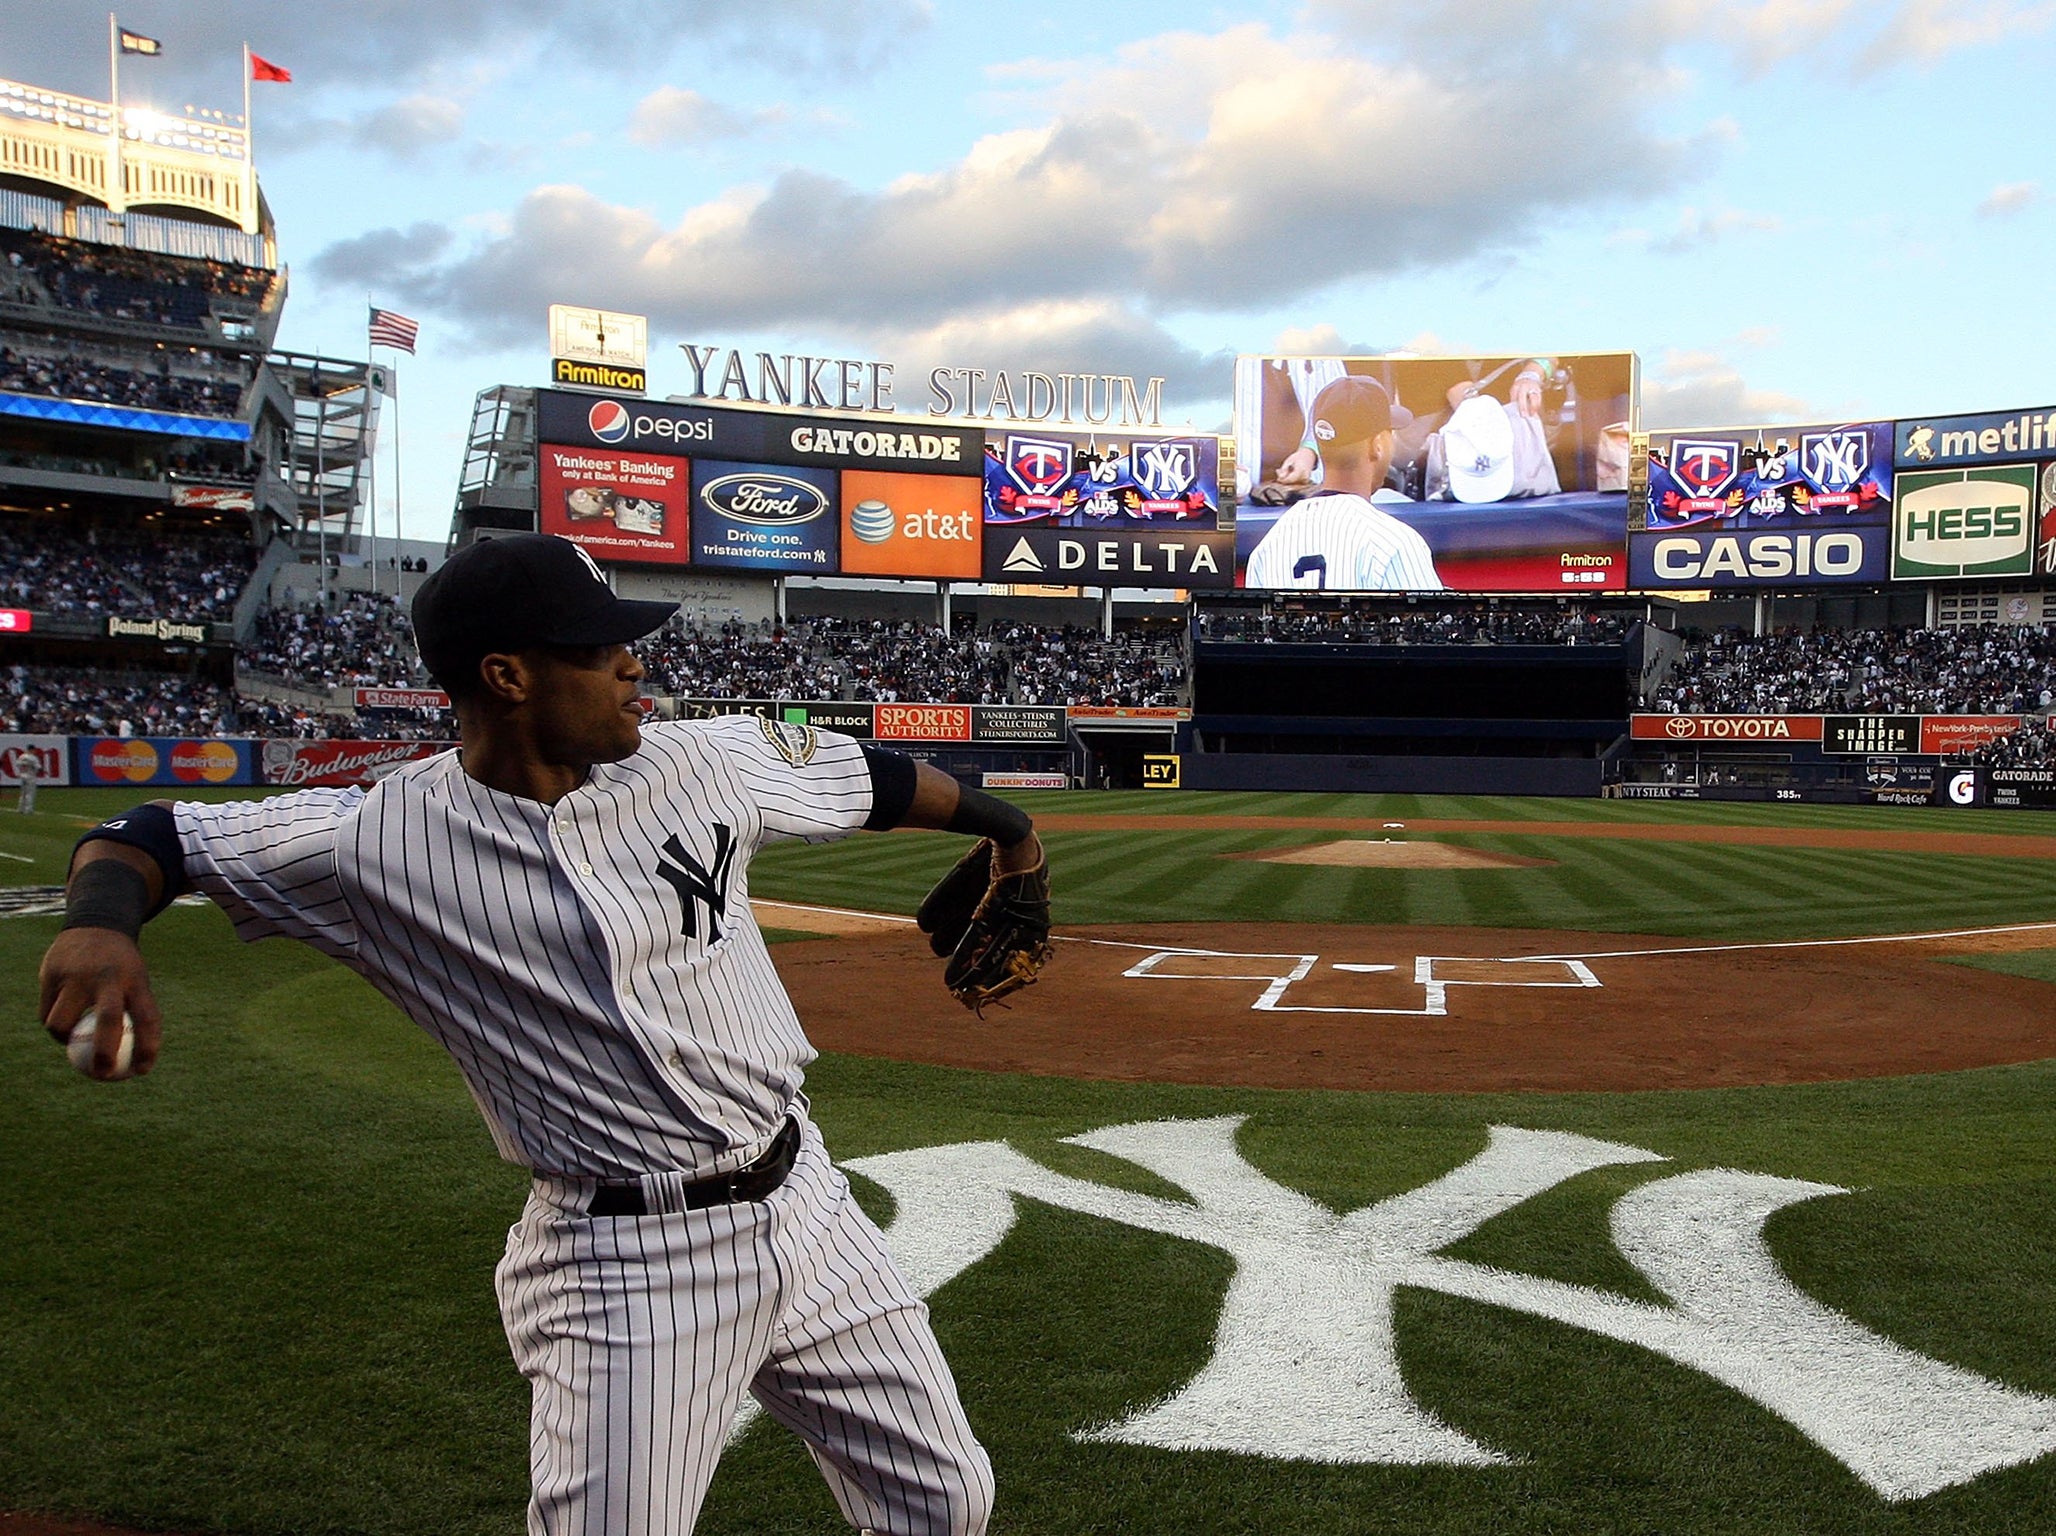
(923, 722)
(1724, 727)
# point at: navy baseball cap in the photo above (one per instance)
(513, 593)
(1353, 409)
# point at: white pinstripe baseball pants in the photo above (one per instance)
(639, 1336)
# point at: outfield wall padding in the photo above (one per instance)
(1575, 777)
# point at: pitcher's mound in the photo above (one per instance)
(1391, 853)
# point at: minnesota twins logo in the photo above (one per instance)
(1835, 461)
(1704, 468)
(696, 884)
(1164, 470)
(1038, 464)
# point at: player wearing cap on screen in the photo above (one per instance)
(1337, 539)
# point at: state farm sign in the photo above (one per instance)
(923, 722)
(1725, 728)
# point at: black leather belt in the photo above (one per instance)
(752, 1181)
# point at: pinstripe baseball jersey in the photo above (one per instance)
(593, 965)
(1342, 543)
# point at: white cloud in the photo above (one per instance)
(2010, 198)
(1696, 229)
(410, 126)
(1922, 32)
(1704, 388)
(671, 115)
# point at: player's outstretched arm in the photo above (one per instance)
(117, 883)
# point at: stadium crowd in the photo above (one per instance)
(69, 376)
(361, 640)
(83, 701)
(195, 577)
(1384, 624)
(1991, 669)
(884, 661)
(119, 284)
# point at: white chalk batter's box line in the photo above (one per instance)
(1575, 973)
(1435, 987)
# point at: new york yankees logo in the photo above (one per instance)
(695, 883)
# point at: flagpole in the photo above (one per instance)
(115, 200)
(371, 462)
(392, 377)
(249, 149)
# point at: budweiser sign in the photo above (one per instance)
(923, 722)
(1725, 728)
(305, 764)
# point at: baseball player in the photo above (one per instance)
(563, 903)
(1337, 539)
(28, 773)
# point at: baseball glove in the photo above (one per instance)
(993, 927)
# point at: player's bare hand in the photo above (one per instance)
(1298, 467)
(1458, 393)
(100, 968)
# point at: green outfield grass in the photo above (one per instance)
(252, 1293)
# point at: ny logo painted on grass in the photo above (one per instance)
(1305, 1364)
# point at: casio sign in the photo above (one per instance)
(764, 498)
(1767, 555)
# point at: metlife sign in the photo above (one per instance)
(1995, 437)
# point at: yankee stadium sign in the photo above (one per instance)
(980, 394)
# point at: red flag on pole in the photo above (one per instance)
(264, 69)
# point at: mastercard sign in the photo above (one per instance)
(117, 760)
(204, 762)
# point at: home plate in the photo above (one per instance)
(1344, 965)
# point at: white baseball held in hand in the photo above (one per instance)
(79, 1047)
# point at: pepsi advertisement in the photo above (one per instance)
(764, 517)
(1764, 506)
(1055, 480)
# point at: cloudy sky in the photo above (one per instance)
(1789, 208)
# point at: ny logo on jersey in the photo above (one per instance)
(1038, 464)
(695, 883)
(1835, 461)
(1704, 468)
(1165, 470)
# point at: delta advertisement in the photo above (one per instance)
(1977, 496)
(1764, 506)
(1087, 508)
(1470, 474)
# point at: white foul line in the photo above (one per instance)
(1730, 949)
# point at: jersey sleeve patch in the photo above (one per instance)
(796, 743)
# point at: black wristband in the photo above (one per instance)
(981, 815)
(108, 893)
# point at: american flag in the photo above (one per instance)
(391, 330)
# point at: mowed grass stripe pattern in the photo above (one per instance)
(1612, 885)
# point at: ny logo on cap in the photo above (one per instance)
(590, 564)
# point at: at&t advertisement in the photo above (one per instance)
(1758, 506)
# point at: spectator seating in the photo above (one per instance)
(1993, 669)
(58, 569)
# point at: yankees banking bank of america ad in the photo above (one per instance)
(1470, 474)
(1760, 506)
